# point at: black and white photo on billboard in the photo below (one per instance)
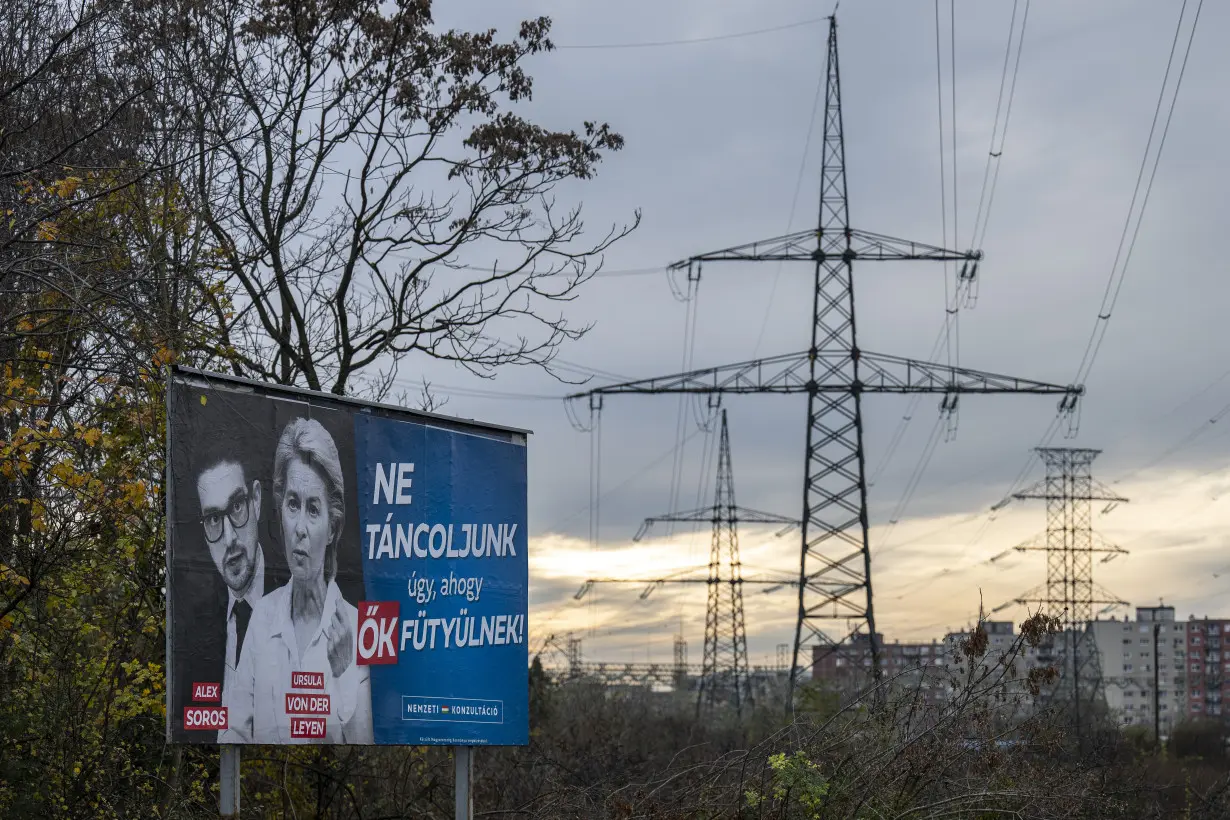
(264, 568)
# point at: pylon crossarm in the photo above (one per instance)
(771, 581)
(895, 374)
(775, 374)
(745, 516)
(1041, 490)
(794, 247)
(880, 373)
(807, 246)
(734, 515)
(879, 247)
(1038, 543)
(1107, 597)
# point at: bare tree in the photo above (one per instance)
(369, 195)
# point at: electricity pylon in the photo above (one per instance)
(834, 372)
(725, 666)
(1070, 543)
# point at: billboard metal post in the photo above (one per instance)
(228, 797)
(464, 796)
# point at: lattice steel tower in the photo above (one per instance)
(724, 670)
(834, 372)
(1070, 543)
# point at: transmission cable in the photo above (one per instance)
(689, 348)
(1110, 297)
(939, 100)
(951, 302)
(794, 203)
(1115, 280)
(913, 482)
(690, 40)
(980, 232)
(638, 474)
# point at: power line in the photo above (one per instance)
(939, 101)
(689, 349)
(952, 115)
(794, 203)
(1115, 280)
(952, 307)
(621, 485)
(913, 482)
(691, 40)
(952, 301)
(993, 153)
(1110, 297)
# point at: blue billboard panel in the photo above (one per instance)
(444, 553)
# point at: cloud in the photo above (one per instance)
(715, 142)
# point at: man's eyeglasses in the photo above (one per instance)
(236, 510)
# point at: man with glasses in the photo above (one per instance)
(230, 514)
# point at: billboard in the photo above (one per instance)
(340, 572)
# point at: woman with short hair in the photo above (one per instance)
(305, 625)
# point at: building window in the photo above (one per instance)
(1127, 667)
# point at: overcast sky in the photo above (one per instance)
(716, 137)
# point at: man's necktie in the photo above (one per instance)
(243, 612)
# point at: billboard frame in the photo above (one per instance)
(178, 374)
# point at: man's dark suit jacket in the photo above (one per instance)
(200, 625)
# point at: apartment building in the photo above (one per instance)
(1207, 667)
(1156, 671)
(1144, 668)
(847, 668)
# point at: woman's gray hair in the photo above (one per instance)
(308, 440)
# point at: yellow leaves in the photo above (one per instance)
(163, 357)
(12, 576)
(91, 436)
(65, 188)
(38, 516)
(47, 231)
(134, 493)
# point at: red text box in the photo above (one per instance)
(307, 727)
(377, 638)
(307, 680)
(297, 704)
(197, 718)
(207, 692)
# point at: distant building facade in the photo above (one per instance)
(1155, 671)
(1144, 668)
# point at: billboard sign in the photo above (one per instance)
(340, 572)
